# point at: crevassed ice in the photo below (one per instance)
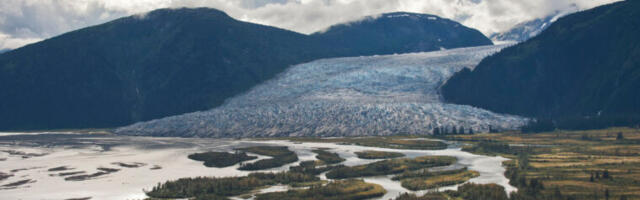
(374, 95)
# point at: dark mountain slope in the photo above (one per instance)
(585, 67)
(167, 62)
(401, 32)
(140, 68)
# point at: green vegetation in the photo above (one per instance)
(467, 191)
(392, 142)
(480, 192)
(429, 196)
(304, 175)
(454, 130)
(209, 187)
(328, 157)
(313, 167)
(422, 180)
(582, 73)
(392, 166)
(538, 126)
(563, 165)
(488, 148)
(221, 159)
(336, 190)
(559, 165)
(378, 154)
(281, 156)
(211, 197)
(61, 168)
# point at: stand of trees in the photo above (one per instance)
(378, 154)
(281, 156)
(221, 159)
(467, 191)
(490, 147)
(311, 167)
(338, 190)
(211, 187)
(454, 130)
(392, 166)
(328, 157)
(539, 126)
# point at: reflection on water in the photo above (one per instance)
(89, 152)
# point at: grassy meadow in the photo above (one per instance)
(591, 164)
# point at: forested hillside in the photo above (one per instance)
(400, 32)
(582, 72)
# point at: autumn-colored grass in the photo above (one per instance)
(392, 142)
(390, 166)
(567, 160)
(345, 189)
(438, 180)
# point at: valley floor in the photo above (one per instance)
(593, 164)
(65, 166)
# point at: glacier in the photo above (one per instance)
(355, 96)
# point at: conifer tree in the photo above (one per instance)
(620, 136)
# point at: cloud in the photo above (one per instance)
(8, 42)
(26, 21)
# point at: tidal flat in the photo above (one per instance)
(137, 164)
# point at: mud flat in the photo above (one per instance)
(167, 159)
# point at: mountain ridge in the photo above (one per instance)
(582, 72)
(526, 30)
(412, 32)
(147, 66)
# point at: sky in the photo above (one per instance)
(27, 21)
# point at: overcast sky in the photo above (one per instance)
(28, 21)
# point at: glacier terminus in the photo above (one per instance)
(355, 96)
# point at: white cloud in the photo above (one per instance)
(26, 21)
(8, 42)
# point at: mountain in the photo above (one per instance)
(136, 68)
(355, 96)
(400, 32)
(4, 50)
(525, 30)
(165, 62)
(583, 71)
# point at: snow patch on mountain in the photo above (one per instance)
(529, 29)
(374, 95)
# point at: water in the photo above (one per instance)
(88, 152)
